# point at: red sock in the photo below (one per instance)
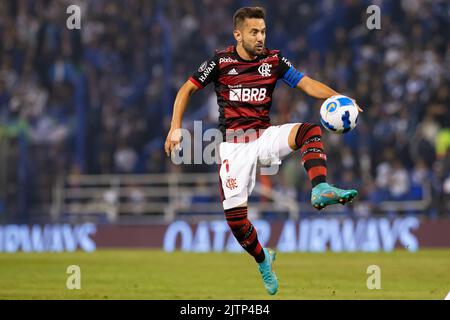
(244, 232)
(309, 140)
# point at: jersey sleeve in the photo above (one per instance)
(287, 72)
(206, 73)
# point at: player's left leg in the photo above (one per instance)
(245, 233)
(307, 138)
(237, 171)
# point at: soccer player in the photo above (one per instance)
(244, 76)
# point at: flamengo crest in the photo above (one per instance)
(264, 69)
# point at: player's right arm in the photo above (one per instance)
(206, 73)
(179, 106)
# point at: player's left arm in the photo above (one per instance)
(317, 89)
(296, 79)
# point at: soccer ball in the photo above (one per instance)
(339, 114)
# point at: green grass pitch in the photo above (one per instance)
(152, 274)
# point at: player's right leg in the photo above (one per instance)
(307, 138)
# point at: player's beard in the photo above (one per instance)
(253, 50)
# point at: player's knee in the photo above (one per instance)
(316, 128)
(235, 199)
(305, 131)
(308, 126)
(314, 131)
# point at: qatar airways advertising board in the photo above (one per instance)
(306, 235)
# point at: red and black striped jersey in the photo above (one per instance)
(244, 88)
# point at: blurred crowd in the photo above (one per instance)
(99, 99)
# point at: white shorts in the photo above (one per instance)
(239, 161)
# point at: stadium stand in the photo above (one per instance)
(98, 100)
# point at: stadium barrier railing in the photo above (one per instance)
(165, 197)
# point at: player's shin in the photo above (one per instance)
(309, 140)
(244, 232)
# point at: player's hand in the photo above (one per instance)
(173, 141)
(359, 109)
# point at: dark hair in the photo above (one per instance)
(247, 13)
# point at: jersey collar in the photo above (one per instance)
(239, 58)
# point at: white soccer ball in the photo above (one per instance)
(339, 114)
